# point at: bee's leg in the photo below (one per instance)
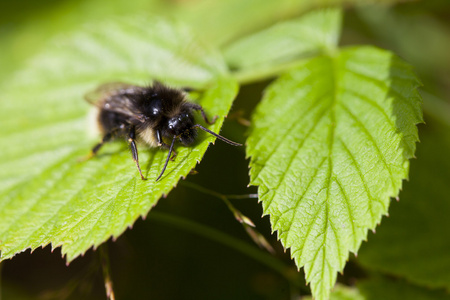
(160, 140)
(134, 152)
(174, 154)
(167, 159)
(199, 108)
(164, 145)
(97, 147)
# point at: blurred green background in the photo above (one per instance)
(159, 259)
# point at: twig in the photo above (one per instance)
(246, 222)
(106, 267)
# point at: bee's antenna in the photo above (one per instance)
(216, 135)
(168, 157)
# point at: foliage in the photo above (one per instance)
(330, 147)
(329, 142)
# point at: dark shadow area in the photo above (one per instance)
(44, 275)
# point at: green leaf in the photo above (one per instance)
(412, 243)
(46, 195)
(313, 33)
(329, 147)
(221, 22)
(342, 292)
(29, 24)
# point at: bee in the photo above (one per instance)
(156, 115)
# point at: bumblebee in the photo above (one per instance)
(151, 115)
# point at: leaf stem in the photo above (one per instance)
(216, 194)
(245, 221)
(201, 189)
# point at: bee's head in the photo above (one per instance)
(182, 126)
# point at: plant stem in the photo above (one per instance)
(106, 267)
(245, 221)
(266, 259)
(216, 194)
(1, 281)
(244, 196)
(201, 189)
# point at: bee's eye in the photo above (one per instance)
(172, 123)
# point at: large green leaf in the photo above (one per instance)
(313, 33)
(412, 243)
(329, 147)
(28, 26)
(46, 195)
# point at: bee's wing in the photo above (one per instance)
(108, 89)
(115, 97)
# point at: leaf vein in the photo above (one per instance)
(372, 139)
(382, 84)
(301, 198)
(349, 209)
(361, 176)
(300, 145)
(289, 130)
(55, 213)
(379, 108)
(43, 193)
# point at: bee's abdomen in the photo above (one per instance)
(111, 122)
